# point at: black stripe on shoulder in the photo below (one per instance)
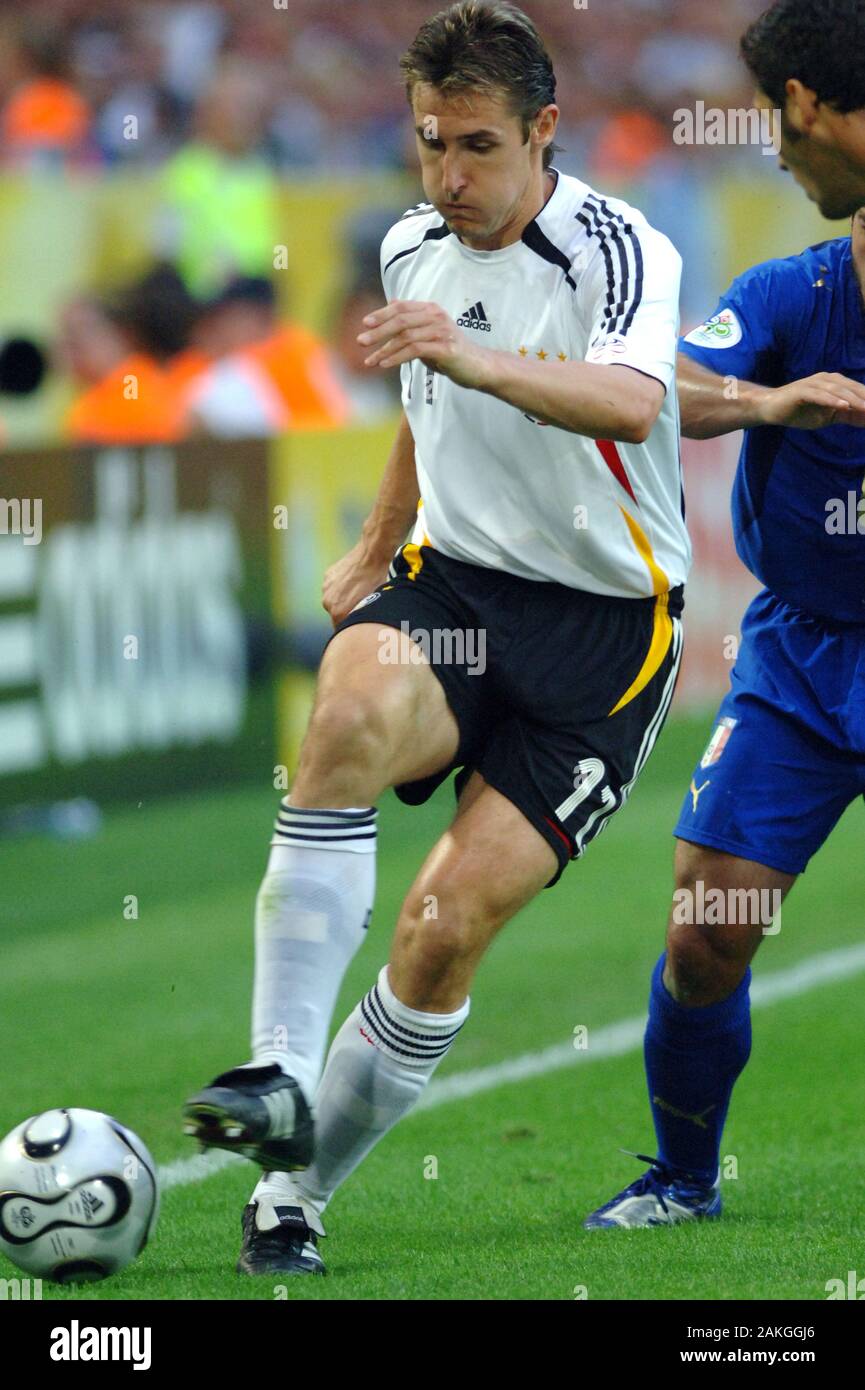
(607, 235)
(536, 241)
(637, 252)
(611, 228)
(638, 292)
(434, 234)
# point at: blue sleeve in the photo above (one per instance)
(748, 334)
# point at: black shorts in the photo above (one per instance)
(559, 694)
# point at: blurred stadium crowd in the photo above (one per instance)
(220, 102)
(312, 86)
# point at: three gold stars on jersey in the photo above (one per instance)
(524, 352)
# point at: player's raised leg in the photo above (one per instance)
(388, 1048)
(373, 724)
(698, 1037)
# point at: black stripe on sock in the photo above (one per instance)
(424, 1042)
(289, 823)
(407, 1032)
(381, 1033)
(323, 839)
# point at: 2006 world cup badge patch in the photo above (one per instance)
(722, 330)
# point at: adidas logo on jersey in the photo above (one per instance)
(475, 318)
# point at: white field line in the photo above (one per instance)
(613, 1040)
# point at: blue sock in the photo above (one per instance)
(693, 1058)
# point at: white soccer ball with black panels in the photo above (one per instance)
(78, 1196)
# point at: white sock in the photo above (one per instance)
(378, 1065)
(311, 916)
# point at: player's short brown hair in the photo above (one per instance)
(478, 46)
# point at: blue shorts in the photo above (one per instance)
(787, 755)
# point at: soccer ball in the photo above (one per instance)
(78, 1196)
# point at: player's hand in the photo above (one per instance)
(828, 398)
(405, 329)
(348, 581)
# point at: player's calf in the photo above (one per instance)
(465, 893)
(698, 1036)
(439, 940)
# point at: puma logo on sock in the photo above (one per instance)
(699, 1119)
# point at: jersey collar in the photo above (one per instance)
(530, 233)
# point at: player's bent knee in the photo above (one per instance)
(464, 909)
(692, 971)
(704, 963)
(436, 946)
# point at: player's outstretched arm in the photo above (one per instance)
(711, 405)
(604, 402)
(365, 566)
(600, 401)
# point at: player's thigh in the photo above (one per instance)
(487, 865)
(392, 711)
(723, 907)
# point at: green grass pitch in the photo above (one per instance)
(132, 1016)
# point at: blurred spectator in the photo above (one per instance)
(220, 194)
(373, 394)
(44, 119)
(121, 352)
(263, 377)
(627, 144)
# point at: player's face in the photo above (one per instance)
(478, 170)
(811, 152)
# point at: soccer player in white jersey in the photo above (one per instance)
(527, 635)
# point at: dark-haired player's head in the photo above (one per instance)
(482, 90)
(807, 58)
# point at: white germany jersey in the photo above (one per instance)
(590, 280)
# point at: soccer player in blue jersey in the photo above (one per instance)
(782, 357)
(807, 59)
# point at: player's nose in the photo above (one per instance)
(453, 178)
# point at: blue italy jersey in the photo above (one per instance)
(796, 493)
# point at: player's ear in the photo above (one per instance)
(544, 126)
(803, 108)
